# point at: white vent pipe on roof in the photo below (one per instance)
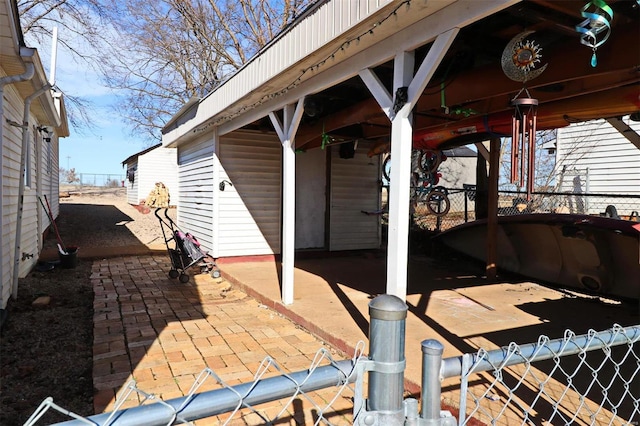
(54, 56)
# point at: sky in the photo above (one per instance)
(100, 150)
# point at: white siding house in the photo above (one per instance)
(146, 168)
(29, 152)
(594, 157)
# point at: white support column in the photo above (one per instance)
(401, 147)
(400, 182)
(286, 132)
(215, 237)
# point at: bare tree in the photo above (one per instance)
(80, 21)
(545, 165)
(69, 176)
(79, 18)
(165, 52)
(156, 55)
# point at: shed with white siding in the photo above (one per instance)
(33, 118)
(604, 161)
(231, 196)
(148, 167)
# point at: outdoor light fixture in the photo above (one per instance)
(312, 107)
(46, 133)
(222, 184)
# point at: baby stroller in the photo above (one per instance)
(185, 251)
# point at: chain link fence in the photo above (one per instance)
(299, 396)
(462, 206)
(591, 379)
(92, 179)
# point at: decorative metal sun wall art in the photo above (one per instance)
(520, 62)
(520, 58)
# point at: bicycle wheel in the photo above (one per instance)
(438, 203)
(429, 160)
(386, 168)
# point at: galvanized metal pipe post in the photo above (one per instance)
(386, 349)
(431, 361)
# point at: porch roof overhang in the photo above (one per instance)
(469, 80)
(312, 55)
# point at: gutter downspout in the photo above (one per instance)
(23, 155)
(27, 75)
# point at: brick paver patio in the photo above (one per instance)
(162, 334)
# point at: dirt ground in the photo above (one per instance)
(46, 351)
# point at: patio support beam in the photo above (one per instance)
(398, 107)
(483, 150)
(377, 89)
(492, 214)
(217, 171)
(286, 130)
(625, 130)
(400, 182)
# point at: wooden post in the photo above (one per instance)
(482, 185)
(492, 216)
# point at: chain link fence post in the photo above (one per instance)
(430, 412)
(431, 361)
(386, 350)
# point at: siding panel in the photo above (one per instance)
(250, 210)
(38, 182)
(604, 161)
(132, 187)
(354, 188)
(195, 193)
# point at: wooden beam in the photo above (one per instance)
(625, 130)
(483, 151)
(492, 216)
(579, 81)
(400, 183)
(490, 81)
(358, 113)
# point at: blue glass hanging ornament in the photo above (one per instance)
(597, 23)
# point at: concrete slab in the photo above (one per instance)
(447, 301)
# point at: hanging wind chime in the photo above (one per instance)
(519, 61)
